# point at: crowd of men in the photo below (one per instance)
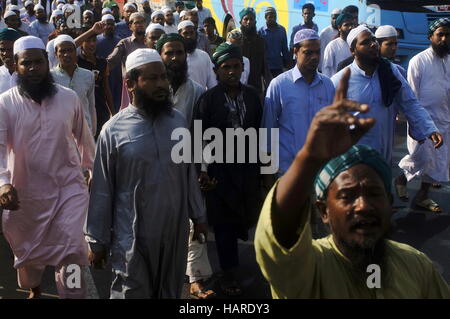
(91, 94)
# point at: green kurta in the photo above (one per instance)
(317, 269)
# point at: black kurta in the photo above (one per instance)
(237, 196)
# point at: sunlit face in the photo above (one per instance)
(358, 208)
(152, 37)
(388, 48)
(66, 54)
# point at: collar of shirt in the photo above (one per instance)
(355, 68)
(61, 70)
(297, 75)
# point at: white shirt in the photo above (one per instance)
(170, 28)
(7, 80)
(202, 15)
(83, 83)
(429, 77)
(200, 69)
(326, 36)
(335, 52)
(246, 72)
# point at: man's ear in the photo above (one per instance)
(323, 211)
(131, 85)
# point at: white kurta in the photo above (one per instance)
(200, 69)
(246, 72)
(170, 28)
(326, 36)
(7, 80)
(429, 77)
(42, 150)
(335, 52)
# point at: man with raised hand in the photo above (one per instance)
(352, 184)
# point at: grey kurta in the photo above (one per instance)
(140, 204)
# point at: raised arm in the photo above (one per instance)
(329, 136)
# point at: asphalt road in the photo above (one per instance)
(425, 231)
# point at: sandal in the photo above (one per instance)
(231, 288)
(402, 192)
(203, 294)
(430, 205)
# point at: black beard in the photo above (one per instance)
(441, 50)
(152, 107)
(36, 92)
(190, 44)
(177, 74)
(248, 31)
(369, 60)
(363, 256)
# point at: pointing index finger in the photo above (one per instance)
(341, 91)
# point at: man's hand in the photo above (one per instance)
(437, 139)
(8, 197)
(330, 133)
(206, 184)
(99, 27)
(87, 177)
(98, 259)
(201, 228)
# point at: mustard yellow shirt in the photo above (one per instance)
(317, 269)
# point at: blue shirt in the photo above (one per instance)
(298, 28)
(290, 105)
(366, 89)
(122, 30)
(276, 46)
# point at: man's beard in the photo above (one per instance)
(177, 74)
(139, 33)
(361, 256)
(152, 107)
(37, 92)
(367, 59)
(248, 31)
(191, 45)
(441, 49)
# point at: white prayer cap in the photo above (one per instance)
(27, 3)
(9, 14)
(108, 17)
(63, 38)
(56, 13)
(157, 13)
(184, 24)
(13, 7)
(106, 10)
(68, 7)
(141, 57)
(38, 6)
(183, 13)
(28, 42)
(355, 32)
(88, 11)
(386, 31)
(166, 10)
(154, 26)
(128, 5)
(134, 15)
(60, 6)
(336, 11)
